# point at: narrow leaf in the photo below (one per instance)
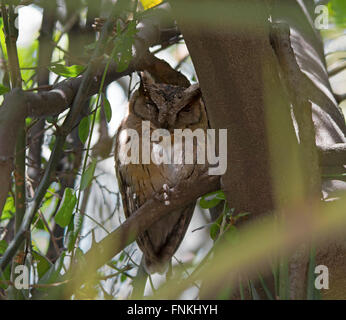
(43, 265)
(3, 246)
(211, 200)
(83, 129)
(107, 108)
(87, 176)
(67, 71)
(64, 214)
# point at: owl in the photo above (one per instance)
(169, 107)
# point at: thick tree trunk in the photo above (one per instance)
(236, 66)
(241, 83)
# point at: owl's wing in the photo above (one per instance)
(124, 188)
(164, 237)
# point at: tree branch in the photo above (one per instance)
(18, 104)
(67, 126)
(154, 209)
(332, 155)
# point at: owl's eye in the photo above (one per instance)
(187, 108)
(151, 105)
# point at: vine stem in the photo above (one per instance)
(58, 147)
(11, 36)
(80, 216)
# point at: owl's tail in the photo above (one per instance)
(163, 238)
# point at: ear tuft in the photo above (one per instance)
(162, 72)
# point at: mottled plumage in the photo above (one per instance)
(169, 107)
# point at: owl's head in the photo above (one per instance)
(168, 106)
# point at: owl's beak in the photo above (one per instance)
(162, 118)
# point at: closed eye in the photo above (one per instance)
(150, 104)
(186, 109)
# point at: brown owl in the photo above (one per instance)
(168, 107)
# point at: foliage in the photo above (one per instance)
(80, 205)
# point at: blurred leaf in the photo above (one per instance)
(8, 210)
(341, 176)
(123, 277)
(107, 108)
(27, 58)
(122, 51)
(71, 236)
(215, 228)
(338, 10)
(6, 275)
(254, 293)
(39, 224)
(83, 129)
(90, 46)
(88, 175)
(232, 235)
(214, 231)
(265, 288)
(53, 273)
(3, 246)
(122, 256)
(43, 264)
(67, 71)
(79, 254)
(3, 89)
(225, 293)
(2, 39)
(147, 4)
(28, 121)
(211, 200)
(64, 214)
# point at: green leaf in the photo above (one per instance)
(214, 231)
(64, 214)
(43, 264)
(6, 275)
(339, 176)
(3, 89)
(265, 288)
(3, 246)
(122, 257)
(211, 200)
(122, 51)
(9, 209)
(83, 129)
(88, 176)
(67, 71)
(53, 274)
(338, 10)
(71, 236)
(123, 277)
(107, 108)
(39, 223)
(80, 256)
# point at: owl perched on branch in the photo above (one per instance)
(166, 106)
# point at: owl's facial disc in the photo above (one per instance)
(185, 105)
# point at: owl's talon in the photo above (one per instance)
(164, 196)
